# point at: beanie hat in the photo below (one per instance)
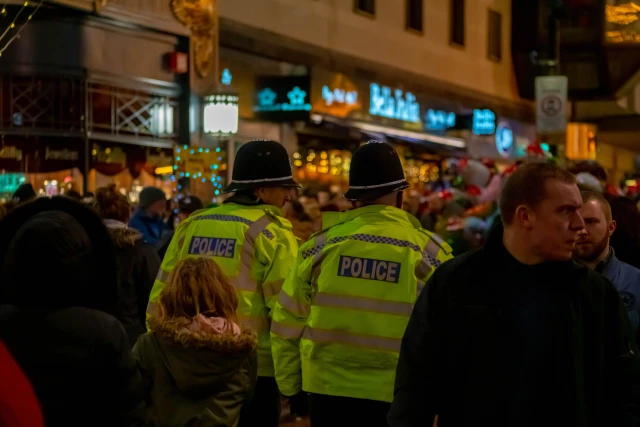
(150, 195)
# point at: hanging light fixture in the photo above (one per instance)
(220, 114)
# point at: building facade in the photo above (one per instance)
(89, 96)
(435, 78)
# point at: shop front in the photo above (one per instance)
(88, 102)
(357, 110)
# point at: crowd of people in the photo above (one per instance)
(511, 301)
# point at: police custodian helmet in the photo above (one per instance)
(375, 171)
(261, 163)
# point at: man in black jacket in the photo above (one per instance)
(517, 334)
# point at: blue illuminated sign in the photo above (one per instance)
(282, 98)
(339, 96)
(437, 120)
(394, 104)
(297, 97)
(226, 77)
(297, 101)
(484, 122)
(504, 139)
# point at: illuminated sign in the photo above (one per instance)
(339, 96)
(282, 98)
(335, 94)
(504, 139)
(437, 120)
(393, 104)
(484, 122)
(226, 77)
(220, 114)
(9, 182)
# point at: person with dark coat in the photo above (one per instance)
(58, 290)
(199, 364)
(517, 333)
(137, 261)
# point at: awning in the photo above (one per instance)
(378, 132)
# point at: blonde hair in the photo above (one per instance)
(198, 286)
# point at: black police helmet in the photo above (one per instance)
(261, 163)
(375, 171)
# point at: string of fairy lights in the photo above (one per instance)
(212, 170)
(7, 31)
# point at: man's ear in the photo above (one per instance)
(523, 217)
(612, 227)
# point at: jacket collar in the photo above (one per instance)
(495, 245)
(612, 265)
(390, 213)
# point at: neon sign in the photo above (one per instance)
(339, 96)
(297, 97)
(439, 120)
(504, 139)
(394, 104)
(484, 122)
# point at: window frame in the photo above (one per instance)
(490, 55)
(452, 31)
(407, 17)
(358, 11)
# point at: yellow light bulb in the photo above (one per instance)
(30, 16)
(4, 10)
(26, 3)
(13, 25)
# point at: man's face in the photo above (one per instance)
(593, 239)
(554, 224)
(157, 208)
(277, 196)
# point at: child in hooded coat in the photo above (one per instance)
(198, 363)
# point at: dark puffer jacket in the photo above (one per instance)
(137, 267)
(58, 290)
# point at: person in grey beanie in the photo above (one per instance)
(149, 217)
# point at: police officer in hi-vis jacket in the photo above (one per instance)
(340, 317)
(254, 245)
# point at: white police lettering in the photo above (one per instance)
(400, 105)
(212, 246)
(366, 268)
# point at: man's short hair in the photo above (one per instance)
(526, 187)
(589, 195)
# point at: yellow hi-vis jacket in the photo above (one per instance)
(254, 246)
(340, 317)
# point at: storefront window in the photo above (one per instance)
(326, 167)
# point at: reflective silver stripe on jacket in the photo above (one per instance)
(352, 339)
(245, 281)
(293, 306)
(323, 299)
